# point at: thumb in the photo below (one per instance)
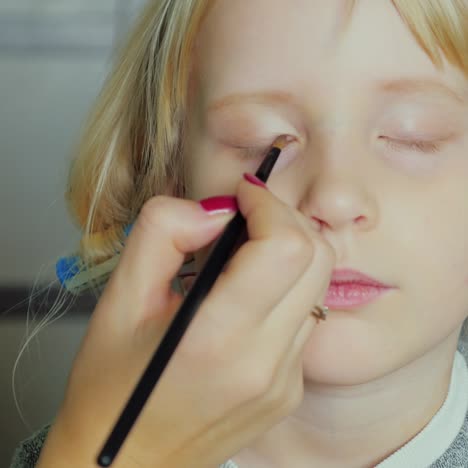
(166, 230)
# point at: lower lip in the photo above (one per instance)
(350, 295)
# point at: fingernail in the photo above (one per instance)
(254, 180)
(220, 205)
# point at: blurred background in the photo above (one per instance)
(54, 56)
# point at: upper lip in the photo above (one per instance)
(348, 275)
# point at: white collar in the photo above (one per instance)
(434, 440)
(436, 437)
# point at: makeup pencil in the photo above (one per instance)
(220, 254)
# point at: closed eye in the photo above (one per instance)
(421, 146)
(252, 152)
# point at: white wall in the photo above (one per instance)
(43, 102)
(40, 380)
(54, 56)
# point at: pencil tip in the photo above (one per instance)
(282, 141)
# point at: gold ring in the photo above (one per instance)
(320, 313)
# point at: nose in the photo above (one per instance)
(338, 198)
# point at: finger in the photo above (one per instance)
(309, 291)
(283, 393)
(267, 266)
(166, 230)
(290, 376)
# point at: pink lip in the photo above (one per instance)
(350, 288)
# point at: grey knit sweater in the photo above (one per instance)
(456, 456)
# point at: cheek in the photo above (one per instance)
(429, 232)
(440, 222)
(444, 241)
(440, 276)
(453, 237)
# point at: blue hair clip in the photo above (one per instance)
(68, 267)
(128, 229)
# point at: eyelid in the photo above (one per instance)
(422, 136)
(251, 152)
(260, 153)
(421, 126)
(256, 151)
(423, 146)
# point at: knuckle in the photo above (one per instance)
(286, 395)
(213, 352)
(154, 210)
(285, 398)
(326, 252)
(208, 348)
(275, 399)
(294, 397)
(257, 382)
(293, 245)
(287, 392)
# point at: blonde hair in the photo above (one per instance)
(131, 144)
(131, 147)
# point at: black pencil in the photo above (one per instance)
(235, 230)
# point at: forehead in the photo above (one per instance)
(248, 45)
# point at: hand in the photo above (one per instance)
(238, 369)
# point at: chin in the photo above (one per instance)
(347, 352)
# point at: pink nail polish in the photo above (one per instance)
(220, 205)
(254, 180)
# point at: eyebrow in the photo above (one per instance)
(396, 87)
(278, 97)
(414, 86)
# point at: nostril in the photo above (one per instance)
(317, 223)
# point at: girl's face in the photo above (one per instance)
(380, 157)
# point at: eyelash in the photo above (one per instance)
(413, 145)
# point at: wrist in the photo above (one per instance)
(60, 451)
(64, 448)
